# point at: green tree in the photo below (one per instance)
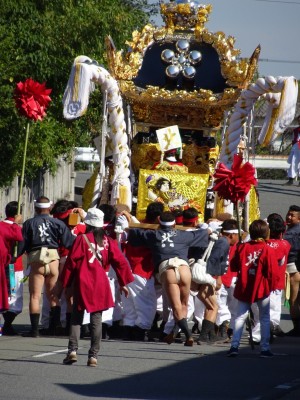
(40, 39)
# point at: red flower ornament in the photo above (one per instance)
(32, 99)
(234, 184)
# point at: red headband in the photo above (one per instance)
(190, 219)
(62, 215)
(179, 219)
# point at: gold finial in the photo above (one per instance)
(185, 15)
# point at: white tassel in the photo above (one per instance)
(162, 157)
(180, 153)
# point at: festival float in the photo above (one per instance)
(177, 109)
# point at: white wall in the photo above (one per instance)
(59, 186)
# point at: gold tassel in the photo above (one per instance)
(287, 293)
(123, 196)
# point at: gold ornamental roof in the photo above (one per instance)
(181, 73)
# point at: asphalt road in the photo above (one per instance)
(32, 369)
(275, 196)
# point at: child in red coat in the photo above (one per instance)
(85, 267)
(257, 268)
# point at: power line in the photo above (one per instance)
(275, 61)
(279, 1)
(278, 61)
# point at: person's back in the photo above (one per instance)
(10, 231)
(256, 264)
(170, 252)
(190, 220)
(11, 294)
(280, 245)
(43, 235)
(44, 231)
(84, 271)
(140, 307)
(140, 258)
(4, 259)
(292, 235)
(294, 156)
(282, 248)
(167, 242)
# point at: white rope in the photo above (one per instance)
(76, 99)
(281, 92)
(104, 135)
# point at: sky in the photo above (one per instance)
(274, 24)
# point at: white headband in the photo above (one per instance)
(43, 205)
(167, 223)
(232, 231)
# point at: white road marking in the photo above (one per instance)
(51, 353)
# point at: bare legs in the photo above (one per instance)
(177, 292)
(36, 282)
(295, 302)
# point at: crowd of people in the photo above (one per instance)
(91, 275)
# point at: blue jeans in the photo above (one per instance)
(264, 318)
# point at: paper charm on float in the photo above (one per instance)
(169, 138)
(170, 144)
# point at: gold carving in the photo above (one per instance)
(184, 16)
(196, 109)
(199, 160)
(173, 189)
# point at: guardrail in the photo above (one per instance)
(269, 162)
(86, 154)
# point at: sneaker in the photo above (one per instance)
(266, 354)
(92, 362)
(233, 352)
(70, 358)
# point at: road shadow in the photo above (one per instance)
(209, 377)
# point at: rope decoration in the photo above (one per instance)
(281, 93)
(84, 74)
